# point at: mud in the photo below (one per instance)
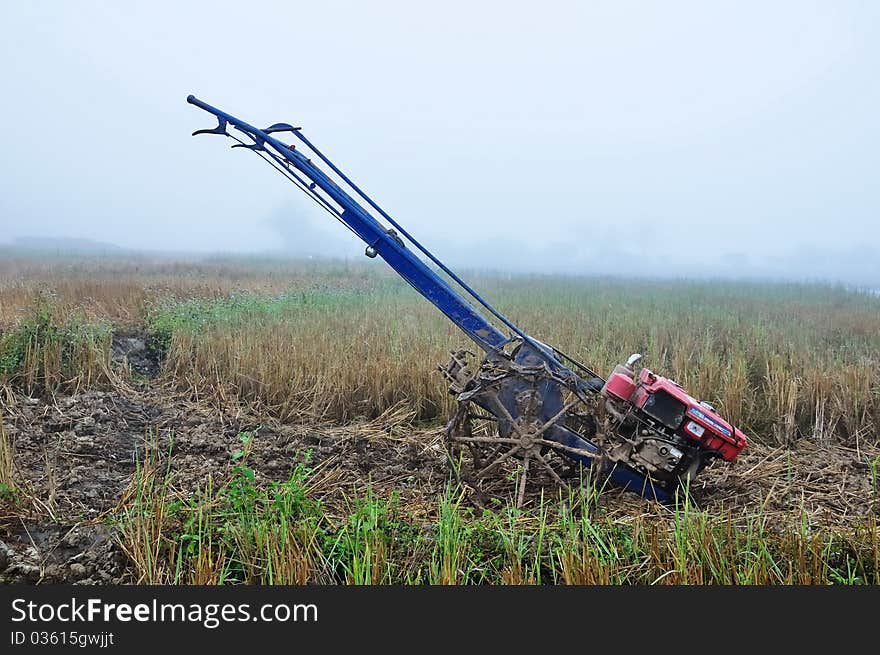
(76, 456)
(133, 351)
(55, 554)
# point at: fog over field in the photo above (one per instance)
(734, 139)
(203, 380)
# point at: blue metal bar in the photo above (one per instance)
(419, 246)
(401, 259)
(412, 268)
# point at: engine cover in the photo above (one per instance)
(666, 402)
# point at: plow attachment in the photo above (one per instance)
(518, 420)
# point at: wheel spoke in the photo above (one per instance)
(497, 462)
(553, 420)
(507, 415)
(568, 449)
(522, 482)
(553, 473)
(479, 457)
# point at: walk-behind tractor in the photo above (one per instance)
(522, 404)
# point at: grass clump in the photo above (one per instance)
(8, 486)
(46, 352)
(236, 532)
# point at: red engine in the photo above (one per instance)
(655, 426)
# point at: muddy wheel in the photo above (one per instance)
(503, 457)
(518, 424)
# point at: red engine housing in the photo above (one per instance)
(665, 401)
(620, 386)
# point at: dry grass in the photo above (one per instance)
(7, 462)
(332, 343)
(342, 340)
(124, 288)
(782, 362)
(44, 352)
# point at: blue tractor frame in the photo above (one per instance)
(523, 355)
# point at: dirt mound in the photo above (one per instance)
(79, 451)
(132, 351)
(55, 554)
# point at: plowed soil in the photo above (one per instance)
(77, 454)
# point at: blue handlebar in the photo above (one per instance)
(378, 239)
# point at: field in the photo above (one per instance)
(231, 420)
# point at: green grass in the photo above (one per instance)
(240, 311)
(244, 531)
(45, 352)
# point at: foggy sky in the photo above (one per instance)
(675, 138)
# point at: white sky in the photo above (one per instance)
(675, 137)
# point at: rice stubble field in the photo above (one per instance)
(235, 420)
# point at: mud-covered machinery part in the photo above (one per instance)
(515, 424)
